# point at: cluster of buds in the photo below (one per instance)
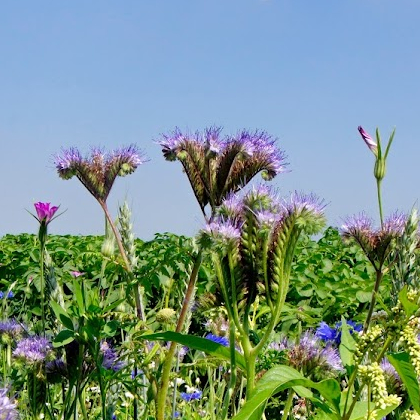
(374, 376)
(366, 340)
(410, 415)
(409, 339)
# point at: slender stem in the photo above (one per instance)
(232, 382)
(379, 276)
(137, 297)
(41, 263)
(167, 364)
(378, 187)
(288, 405)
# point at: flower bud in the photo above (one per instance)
(165, 315)
(380, 169)
(108, 248)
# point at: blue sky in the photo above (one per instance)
(107, 73)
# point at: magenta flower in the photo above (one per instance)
(368, 140)
(45, 212)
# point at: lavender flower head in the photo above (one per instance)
(33, 350)
(7, 408)
(310, 357)
(98, 171)
(223, 233)
(110, 358)
(10, 330)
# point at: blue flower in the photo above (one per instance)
(10, 295)
(327, 333)
(219, 340)
(191, 396)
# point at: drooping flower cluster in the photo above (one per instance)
(376, 243)
(218, 165)
(333, 334)
(7, 408)
(310, 356)
(98, 171)
(33, 350)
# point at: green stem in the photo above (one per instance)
(232, 382)
(288, 405)
(41, 262)
(167, 364)
(379, 276)
(378, 187)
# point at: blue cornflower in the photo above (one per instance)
(327, 333)
(191, 396)
(219, 340)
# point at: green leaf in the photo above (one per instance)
(361, 408)
(409, 307)
(198, 343)
(404, 367)
(62, 315)
(63, 337)
(347, 345)
(110, 328)
(280, 378)
(78, 294)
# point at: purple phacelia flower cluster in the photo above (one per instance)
(33, 350)
(310, 356)
(10, 330)
(7, 408)
(110, 358)
(98, 171)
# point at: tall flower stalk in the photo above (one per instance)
(44, 214)
(98, 173)
(380, 161)
(216, 166)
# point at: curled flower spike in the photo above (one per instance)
(98, 171)
(218, 166)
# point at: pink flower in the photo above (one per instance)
(368, 140)
(76, 274)
(45, 212)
